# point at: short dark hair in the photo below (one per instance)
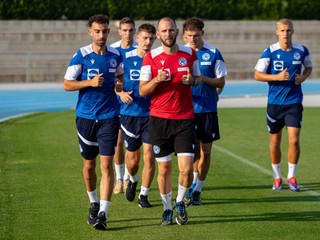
(167, 19)
(98, 18)
(126, 20)
(193, 23)
(149, 28)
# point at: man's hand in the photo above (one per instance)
(97, 81)
(162, 76)
(188, 79)
(283, 76)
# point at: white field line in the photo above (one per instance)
(257, 167)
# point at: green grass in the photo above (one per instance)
(42, 192)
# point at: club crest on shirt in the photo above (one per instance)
(92, 72)
(183, 61)
(278, 65)
(113, 63)
(296, 56)
(205, 56)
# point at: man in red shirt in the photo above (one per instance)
(167, 73)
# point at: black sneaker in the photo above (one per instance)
(93, 212)
(196, 198)
(143, 201)
(131, 191)
(167, 217)
(101, 222)
(182, 216)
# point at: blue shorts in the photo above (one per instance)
(207, 127)
(279, 116)
(168, 136)
(135, 131)
(97, 136)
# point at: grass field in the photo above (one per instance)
(42, 192)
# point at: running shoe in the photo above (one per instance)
(93, 212)
(101, 222)
(143, 201)
(167, 217)
(188, 198)
(196, 198)
(118, 187)
(131, 191)
(277, 184)
(182, 216)
(292, 182)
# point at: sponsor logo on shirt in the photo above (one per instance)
(92, 72)
(134, 74)
(296, 62)
(278, 65)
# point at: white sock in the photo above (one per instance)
(119, 171)
(126, 173)
(134, 178)
(144, 191)
(104, 206)
(166, 200)
(199, 186)
(181, 193)
(292, 168)
(276, 170)
(93, 197)
(195, 177)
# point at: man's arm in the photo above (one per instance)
(74, 85)
(265, 77)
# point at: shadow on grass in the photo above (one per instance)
(266, 217)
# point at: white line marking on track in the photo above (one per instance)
(256, 166)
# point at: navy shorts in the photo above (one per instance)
(279, 116)
(168, 136)
(97, 136)
(135, 131)
(207, 127)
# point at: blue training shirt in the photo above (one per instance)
(212, 65)
(273, 61)
(140, 105)
(96, 103)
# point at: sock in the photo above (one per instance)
(181, 193)
(93, 197)
(126, 173)
(144, 191)
(166, 200)
(199, 186)
(292, 168)
(195, 179)
(276, 171)
(104, 206)
(119, 171)
(134, 178)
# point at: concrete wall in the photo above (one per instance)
(36, 51)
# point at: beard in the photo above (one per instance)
(169, 45)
